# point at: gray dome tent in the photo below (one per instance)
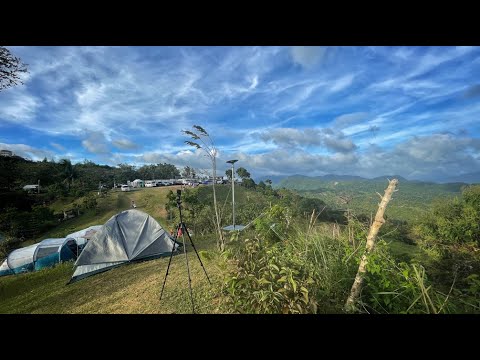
(129, 236)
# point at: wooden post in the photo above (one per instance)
(372, 235)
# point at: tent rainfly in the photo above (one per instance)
(52, 251)
(129, 236)
(82, 236)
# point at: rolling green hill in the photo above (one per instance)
(411, 201)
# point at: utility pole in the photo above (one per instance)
(233, 189)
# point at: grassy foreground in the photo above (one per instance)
(133, 288)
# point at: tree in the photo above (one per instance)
(229, 174)
(188, 172)
(211, 151)
(261, 185)
(10, 69)
(68, 171)
(350, 305)
(126, 172)
(248, 183)
(243, 173)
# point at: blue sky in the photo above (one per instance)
(368, 111)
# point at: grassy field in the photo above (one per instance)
(134, 288)
(149, 200)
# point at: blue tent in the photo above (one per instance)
(82, 236)
(22, 260)
(38, 256)
(5, 269)
(52, 251)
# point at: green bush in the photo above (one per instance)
(266, 282)
(90, 201)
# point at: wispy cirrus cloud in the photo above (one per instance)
(332, 104)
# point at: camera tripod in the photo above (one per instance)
(181, 230)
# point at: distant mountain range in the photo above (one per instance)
(472, 178)
(412, 200)
(278, 179)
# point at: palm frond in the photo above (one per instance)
(192, 134)
(191, 143)
(202, 130)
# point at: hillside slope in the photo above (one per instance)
(409, 203)
(133, 288)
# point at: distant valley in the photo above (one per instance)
(411, 201)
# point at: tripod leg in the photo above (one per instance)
(188, 268)
(198, 256)
(169, 261)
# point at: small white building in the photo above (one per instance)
(31, 187)
(137, 183)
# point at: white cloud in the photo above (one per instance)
(125, 144)
(308, 56)
(342, 83)
(58, 146)
(95, 142)
(346, 120)
(17, 106)
(27, 151)
(290, 137)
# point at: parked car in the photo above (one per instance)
(125, 188)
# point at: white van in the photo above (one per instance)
(125, 188)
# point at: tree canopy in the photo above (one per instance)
(11, 68)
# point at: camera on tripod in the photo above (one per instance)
(179, 194)
(180, 231)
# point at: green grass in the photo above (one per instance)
(133, 288)
(149, 200)
(401, 249)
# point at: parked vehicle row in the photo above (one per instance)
(158, 183)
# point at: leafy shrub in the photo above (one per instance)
(89, 201)
(267, 282)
